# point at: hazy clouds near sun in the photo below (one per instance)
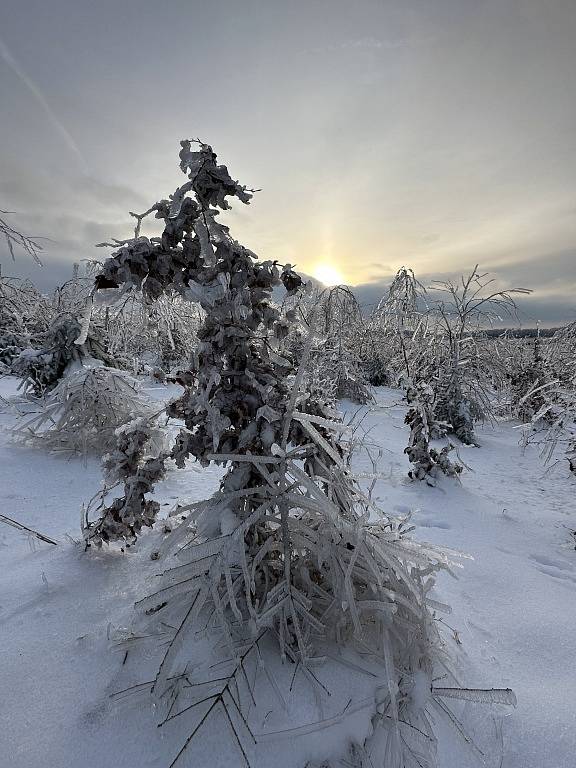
(432, 133)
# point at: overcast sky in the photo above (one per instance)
(430, 133)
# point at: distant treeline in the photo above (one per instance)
(521, 333)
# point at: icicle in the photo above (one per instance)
(207, 250)
(85, 322)
(478, 695)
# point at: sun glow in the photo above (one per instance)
(328, 275)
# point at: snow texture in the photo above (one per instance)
(66, 649)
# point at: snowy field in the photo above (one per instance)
(513, 622)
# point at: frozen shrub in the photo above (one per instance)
(42, 368)
(81, 414)
(336, 357)
(290, 560)
(144, 333)
(392, 350)
(467, 366)
(456, 411)
(553, 425)
(527, 383)
(428, 463)
(19, 304)
(128, 465)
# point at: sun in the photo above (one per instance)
(328, 275)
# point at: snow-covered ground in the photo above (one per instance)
(513, 622)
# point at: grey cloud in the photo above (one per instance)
(557, 266)
(436, 133)
(111, 196)
(53, 118)
(551, 278)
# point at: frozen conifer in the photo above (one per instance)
(529, 382)
(290, 559)
(428, 463)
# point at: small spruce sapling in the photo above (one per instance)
(528, 385)
(428, 463)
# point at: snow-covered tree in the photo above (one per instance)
(528, 382)
(283, 556)
(395, 337)
(335, 363)
(467, 368)
(550, 401)
(560, 353)
(84, 410)
(428, 462)
(42, 367)
(148, 334)
(20, 303)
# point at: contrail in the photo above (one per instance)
(39, 96)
